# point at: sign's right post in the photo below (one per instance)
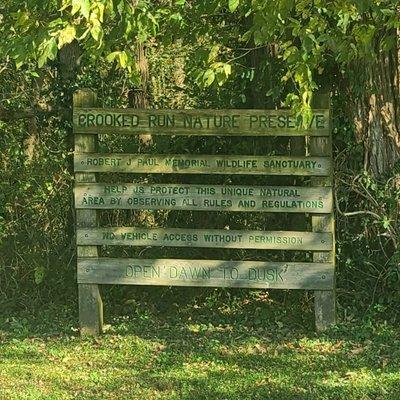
(325, 300)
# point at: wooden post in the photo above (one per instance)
(90, 302)
(325, 300)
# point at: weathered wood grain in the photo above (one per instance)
(325, 301)
(212, 238)
(218, 273)
(90, 302)
(205, 197)
(198, 122)
(202, 164)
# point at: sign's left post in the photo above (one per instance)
(90, 302)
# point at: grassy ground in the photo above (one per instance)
(235, 348)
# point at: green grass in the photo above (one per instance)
(240, 348)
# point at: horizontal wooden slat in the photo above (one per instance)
(202, 164)
(217, 273)
(198, 122)
(205, 197)
(213, 238)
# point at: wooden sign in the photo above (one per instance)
(213, 238)
(207, 197)
(198, 122)
(312, 197)
(218, 273)
(202, 164)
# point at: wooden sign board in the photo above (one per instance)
(213, 238)
(198, 122)
(218, 273)
(207, 197)
(91, 196)
(202, 164)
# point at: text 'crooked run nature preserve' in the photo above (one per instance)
(184, 121)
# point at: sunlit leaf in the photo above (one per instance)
(85, 8)
(233, 5)
(67, 35)
(208, 77)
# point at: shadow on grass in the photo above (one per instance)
(225, 348)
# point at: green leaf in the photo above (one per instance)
(121, 7)
(386, 222)
(67, 35)
(52, 49)
(81, 5)
(49, 51)
(123, 59)
(41, 60)
(213, 52)
(176, 17)
(39, 274)
(233, 5)
(96, 32)
(208, 77)
(85, 8)
(387, 12)
(112, 56)
(65, 5)
(76, 5)
(227, 69)
(135, 78)
(19, 63)
(100, 8)
(57, 22)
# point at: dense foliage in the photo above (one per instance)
(311, 38)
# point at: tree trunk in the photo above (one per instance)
(138, 97)
(377, 115)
